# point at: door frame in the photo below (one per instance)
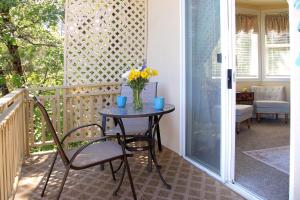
(228, 134)
(231, 174)
(226, 94)
(294, 183)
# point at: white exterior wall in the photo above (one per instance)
(164, 52)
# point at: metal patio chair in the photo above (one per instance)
(138, 126)
(93, 153)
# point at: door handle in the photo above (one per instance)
(229, 78)
(219, 58)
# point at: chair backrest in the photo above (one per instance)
(148, 94)
(52, 130)
(273, 93)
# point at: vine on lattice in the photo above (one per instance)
(104, 38)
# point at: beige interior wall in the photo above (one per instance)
(240, 85)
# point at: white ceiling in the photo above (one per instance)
(261, 2)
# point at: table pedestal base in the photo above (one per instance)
(150, 139)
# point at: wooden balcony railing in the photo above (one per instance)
(23, 129)
(68, 107)
(13, 140)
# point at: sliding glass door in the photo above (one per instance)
(205, 75)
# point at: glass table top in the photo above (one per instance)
(129, 112)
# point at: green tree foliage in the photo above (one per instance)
(31, 50)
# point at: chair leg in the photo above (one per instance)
(237, 127)
(112, 171)
(149, 165)
(125, 158)
(249, 123)
(158, 138)
(153, 157)
(49, 173)
(121, 163)
(63, 182)
(286, 117)
(126, 165)
(121, 181)
(257, 116)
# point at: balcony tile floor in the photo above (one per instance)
(188, 182)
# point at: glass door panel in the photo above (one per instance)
(203, 83)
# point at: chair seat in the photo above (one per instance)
(135, 126)
(96, 153)
(270, 103)
(243, 112)
(243, 109)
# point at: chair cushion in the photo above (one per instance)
(96, 153)
(243, 109)
(269, 103)
(133, 126)
(272, 106)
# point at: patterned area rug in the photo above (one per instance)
(188, 182)
(277, 157)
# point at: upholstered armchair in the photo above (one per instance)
(270, 100)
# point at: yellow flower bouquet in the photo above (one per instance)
(136, 79)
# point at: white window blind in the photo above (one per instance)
(277, 50)
(247, 55)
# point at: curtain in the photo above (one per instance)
(277, 22)
(246, 23)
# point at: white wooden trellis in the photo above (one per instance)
(103, 39)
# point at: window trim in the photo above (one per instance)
(261, 46)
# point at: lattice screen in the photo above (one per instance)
(104, 38)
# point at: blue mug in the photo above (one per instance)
(121, 101)
(159, 103)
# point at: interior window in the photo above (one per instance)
(277, 54)
(247, 31)
(247, 54)
(274, 46)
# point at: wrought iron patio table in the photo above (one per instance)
(154, 117)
